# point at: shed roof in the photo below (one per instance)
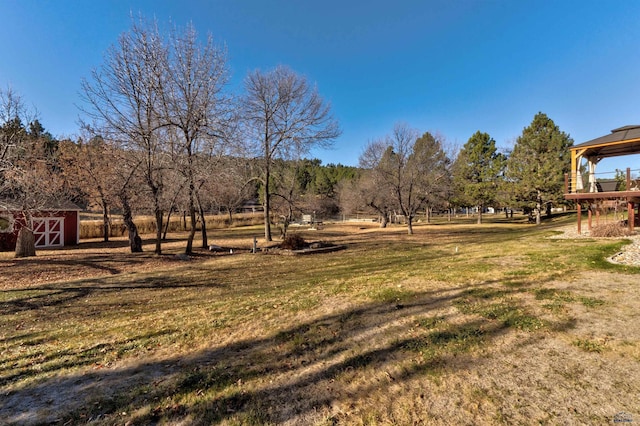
(621, 141)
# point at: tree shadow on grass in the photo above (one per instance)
(118, 242)
(46, 296)
(287, 376)
(110, 263)
(73, 358)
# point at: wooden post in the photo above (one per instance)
(579, 208)
(597, 216)
(628, 179)
(566, 183)
(590, 215)
(631, 215)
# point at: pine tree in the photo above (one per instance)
(478, 171)
(537, 165)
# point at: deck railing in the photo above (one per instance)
(576, 182)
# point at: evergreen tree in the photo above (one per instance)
(537, 165)
(478, 171)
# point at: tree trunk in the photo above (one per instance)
(135, 242)
(382, 213)
(410, 224)
(26, 243)
(267, 208)
(166, 225)
(192, 230)
(171, 206)
(230, 216)
(290, 216)
(159, 217)
(106, 228)
(479, 215)
(192, 207)
(539, 209)
(203, 230)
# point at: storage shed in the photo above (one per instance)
(55, 225)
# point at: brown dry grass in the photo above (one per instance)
(91, 225)
(607, 230)
(459, 324)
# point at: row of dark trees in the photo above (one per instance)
(162, 133)
(530, 177)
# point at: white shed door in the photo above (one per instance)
(48, 231)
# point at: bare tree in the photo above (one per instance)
(232, 186)
(369, 194)
(126, 181)
(286, 193)
(89, 165)
(29, 179)
(374, 188)
(175, 195)
(414, 169)
(196, 106)
(123, 97)
(13, 135)
(284, 115)
(12, 132)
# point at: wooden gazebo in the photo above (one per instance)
(621, 141)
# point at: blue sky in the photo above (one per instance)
(449, 66)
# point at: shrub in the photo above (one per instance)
(293, 242)
(614, 229)
(588, 345)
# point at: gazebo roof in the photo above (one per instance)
(621, 141)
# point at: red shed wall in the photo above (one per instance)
(70, 228)
(8, 239)
(71, 238)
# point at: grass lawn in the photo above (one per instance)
(457, 324)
